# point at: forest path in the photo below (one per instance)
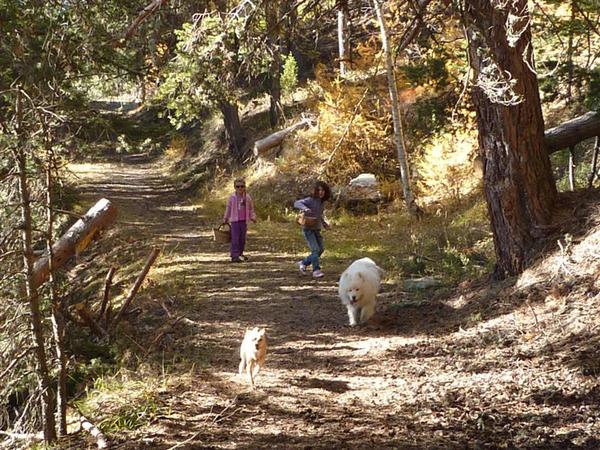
(464, 371)
(324, 386)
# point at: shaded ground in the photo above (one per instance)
(485, 367)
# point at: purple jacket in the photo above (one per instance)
(232, 211)
(315, 208)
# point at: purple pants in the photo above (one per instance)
(238, 238)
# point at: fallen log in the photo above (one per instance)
(138, 283)
(572, 132)
(263, 146)
(88, 426)
(75, 240)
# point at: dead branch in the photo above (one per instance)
(148, 10)
(23, 436)
(136, 287)
(15, 360)
(164, 330)
(87, 318)
(107, 285)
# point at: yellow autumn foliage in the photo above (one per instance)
(446, 171)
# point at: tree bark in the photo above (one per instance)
(518, 183)
(76, 239)
(233, 128)
(398, 138)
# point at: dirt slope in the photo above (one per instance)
(490, 366)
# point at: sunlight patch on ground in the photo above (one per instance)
(187, 208)
(295, 288)
(247, 289)
(191, 258)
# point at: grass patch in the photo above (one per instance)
(121, 402)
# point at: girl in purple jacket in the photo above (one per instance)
(313, 206)
(239, 211)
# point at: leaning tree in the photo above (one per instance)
(518, 183)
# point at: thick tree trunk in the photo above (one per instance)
(233, 129)
(519, 187)
(76, 239)
(398, 138)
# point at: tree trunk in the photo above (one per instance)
(48, 399)
(342, 17)
(271, 9)
(58, 322)
(518, 183)
(398, 138)
(233, 128)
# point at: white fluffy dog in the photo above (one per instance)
(358, 288)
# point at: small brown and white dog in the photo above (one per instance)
(253, 352)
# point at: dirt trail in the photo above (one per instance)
(427, 375)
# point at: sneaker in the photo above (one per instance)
(236, 260)
(318, 274)
(301, 267)
(244, 258)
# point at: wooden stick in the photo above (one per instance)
(87, 318)
(572, 167)
(164, 330)
(15, 361)
(136, 287)
(592, 174)
(107, 285)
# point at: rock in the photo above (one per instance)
(361, 195)
(421, 283)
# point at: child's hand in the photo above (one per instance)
(253, 220)
(326, 225)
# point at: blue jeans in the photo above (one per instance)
(315, 243)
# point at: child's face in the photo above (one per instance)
(321, 192)
(240, 187)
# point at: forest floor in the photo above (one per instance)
(488, 365)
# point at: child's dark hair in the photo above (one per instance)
(325, 187)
